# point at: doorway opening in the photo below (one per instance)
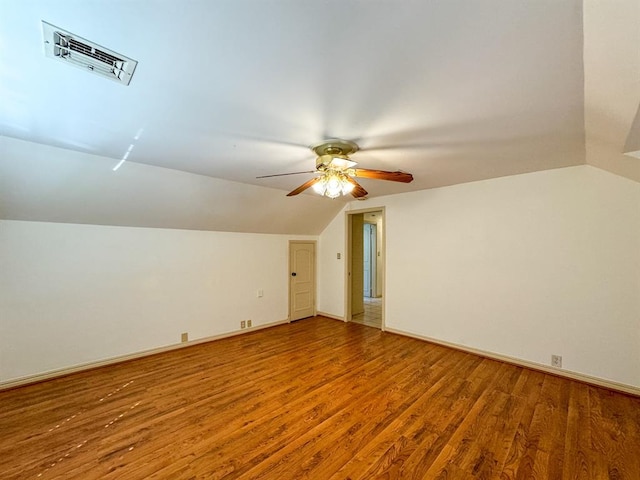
(365, 267)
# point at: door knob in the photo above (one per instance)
(293, 274)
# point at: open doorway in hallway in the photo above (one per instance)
(366, 267)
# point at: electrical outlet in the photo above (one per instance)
(184, 337)
(248, 323)
(243, 324)
(556, 361)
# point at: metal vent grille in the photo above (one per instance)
(74, 50)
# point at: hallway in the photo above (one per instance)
(372, 315)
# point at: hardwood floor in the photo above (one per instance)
(317, 399)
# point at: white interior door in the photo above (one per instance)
(302, 280)
(370, 260)
(367, 260)
(373, 260)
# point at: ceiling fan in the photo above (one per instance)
(336, 172)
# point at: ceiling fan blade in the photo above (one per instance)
(358, 191)
(384, 175)
(285, 174)
(304, 186)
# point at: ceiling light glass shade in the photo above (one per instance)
(333, 184)
(335, 162)
(342, 163)
(347, 187)
(319, 187)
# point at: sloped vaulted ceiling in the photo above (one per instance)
(450, 90)
(43, 183)
(612, 85)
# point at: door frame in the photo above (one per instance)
(347, 261)
(315, 275)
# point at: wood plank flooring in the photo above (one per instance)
(317, 399)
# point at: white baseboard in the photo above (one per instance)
(599, 382)
(329, 315)
(40, 377)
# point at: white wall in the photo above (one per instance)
(331, 270)
(525, 266)
(72, 294)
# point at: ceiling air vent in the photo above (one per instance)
(74, 50)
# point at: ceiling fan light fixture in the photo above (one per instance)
(335, 172)
(332, 184)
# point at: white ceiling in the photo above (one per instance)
(451, 91)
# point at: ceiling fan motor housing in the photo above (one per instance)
(335, 146)
(331, 150)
